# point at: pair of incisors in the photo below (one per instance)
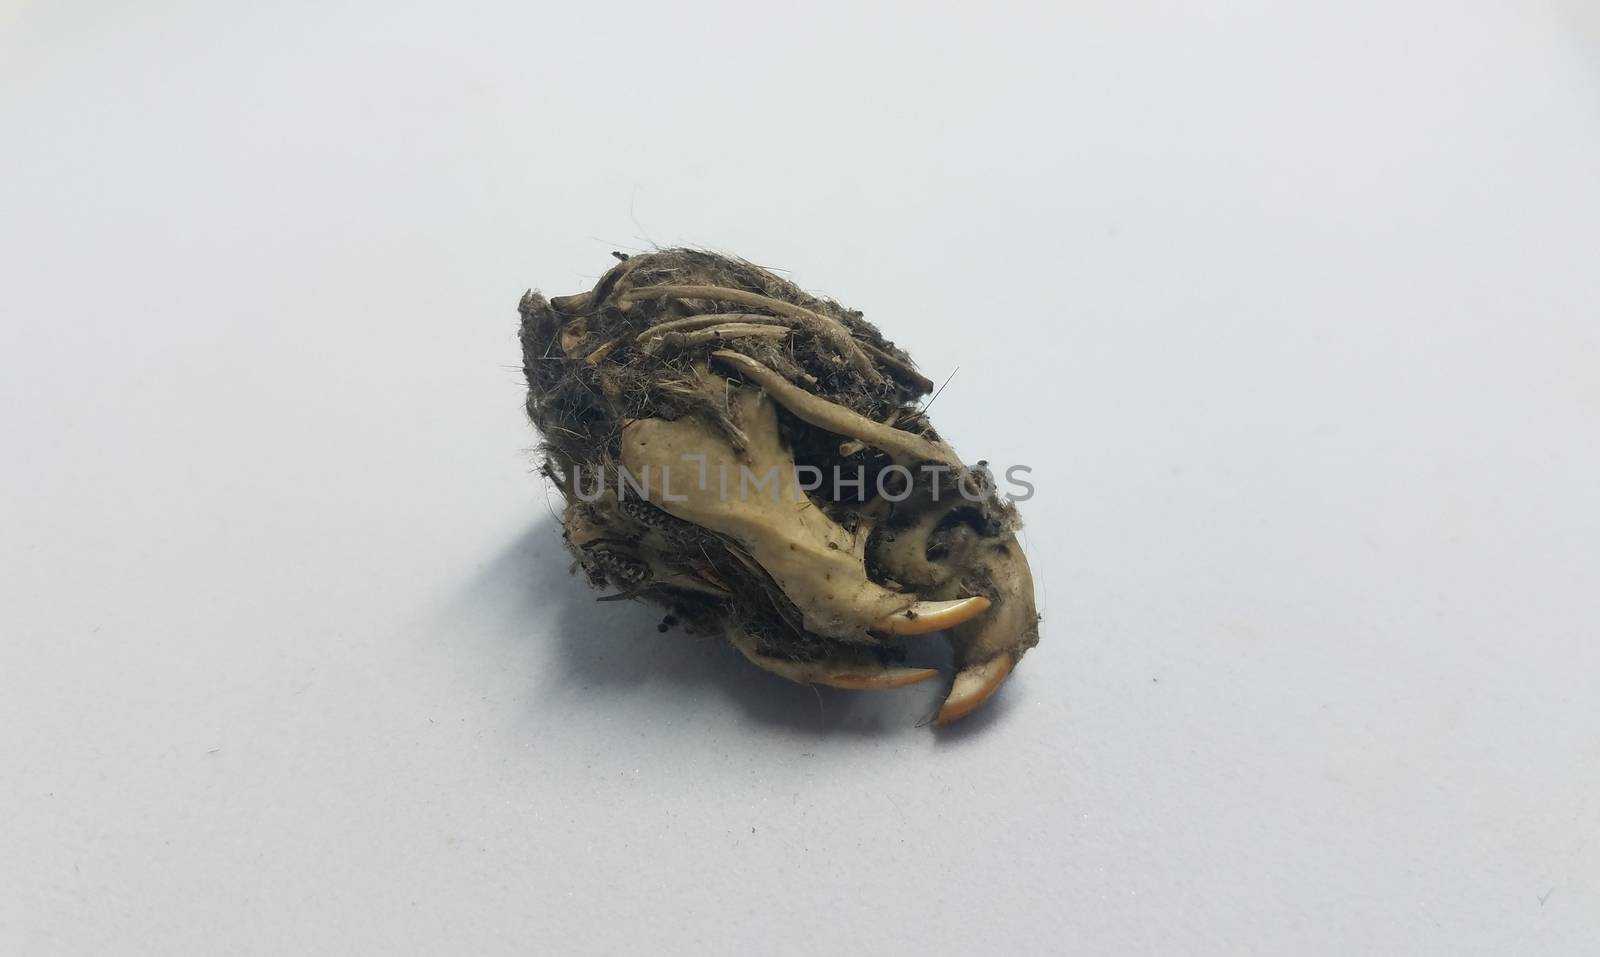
(953, 574)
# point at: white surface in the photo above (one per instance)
(291, 661)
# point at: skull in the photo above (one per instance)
(703, 419)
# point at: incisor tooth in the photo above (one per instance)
(973, 686)
(928, 616)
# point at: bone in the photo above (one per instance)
(816, 563)
(823, 326)
(904, 446)
(904, 371)
(887, 678)
(716, 333)
(856, 673)
(702, 321)
(903, 554)
(600, 352)
(989, 646)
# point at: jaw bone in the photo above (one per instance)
(988, 648)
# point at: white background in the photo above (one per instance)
(1293, 308)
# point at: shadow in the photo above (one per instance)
(608, 652)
